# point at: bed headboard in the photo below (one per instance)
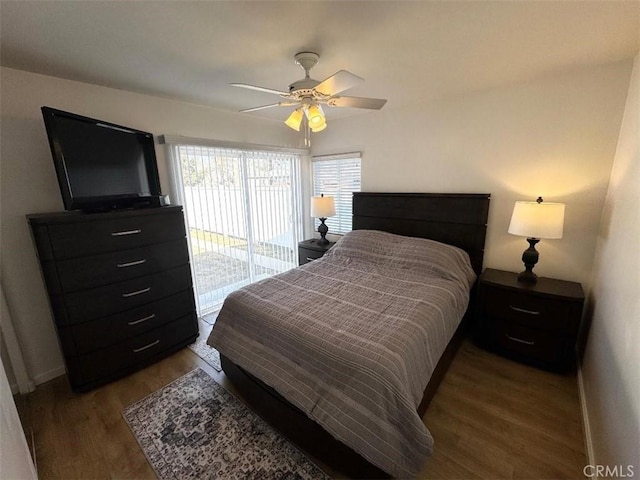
(458, 219)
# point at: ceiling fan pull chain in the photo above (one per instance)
(307, 133)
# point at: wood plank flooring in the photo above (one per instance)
(491, 418)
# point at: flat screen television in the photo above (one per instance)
(101, 165)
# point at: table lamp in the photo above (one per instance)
(535, 220)
(321, 208)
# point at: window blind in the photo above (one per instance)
(337, 176)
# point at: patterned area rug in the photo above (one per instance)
(194, 429)
(200, 347)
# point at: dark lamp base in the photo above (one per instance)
(530, 258)
(322, 230)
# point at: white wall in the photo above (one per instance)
(15, 458)
(29, 185)
(4, 358)
(553, 136)
(610, 372)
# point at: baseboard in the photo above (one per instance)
(585, 419)
(15, 388)
(50, 375)
(38, 379)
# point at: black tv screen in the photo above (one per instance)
(101, 165)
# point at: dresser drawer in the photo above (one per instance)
(530, 310)
(532, 343)
(103, 301)
(109, 361)
(89, 272)
(69, 240)
(96, 334)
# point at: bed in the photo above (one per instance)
(356, 343)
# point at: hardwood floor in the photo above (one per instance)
(491, 418)
(494, 418)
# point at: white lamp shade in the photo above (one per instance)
(322, 207)
(537, 220)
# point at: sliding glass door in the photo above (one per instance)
(242, 212)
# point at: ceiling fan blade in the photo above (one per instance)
(260, 89)
(255, 109)
(280, 104)
(338, 82)
(357, 102)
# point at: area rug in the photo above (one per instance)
(200, 347)
(205, 352)
(194, 429)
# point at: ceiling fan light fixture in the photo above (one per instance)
(315, 116)
(309, 95)
(295, 119)
(319, 128)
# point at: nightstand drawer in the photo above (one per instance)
(529, 342)
(309, 250)
(530, 310)
(308, 255)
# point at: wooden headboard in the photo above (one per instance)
(458, 219)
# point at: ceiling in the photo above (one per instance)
(407, 52)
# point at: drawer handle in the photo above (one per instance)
(131, 264)
(135, 322)
(137, 292)
(152, 344)
(519, 340)
(126, 232)
(523, 310)
(309, 259)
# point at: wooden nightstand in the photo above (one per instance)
(536, 324)
(309, 250)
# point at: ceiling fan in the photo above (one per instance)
(309, 95)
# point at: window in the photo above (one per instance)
(242, 213)
(337, 176)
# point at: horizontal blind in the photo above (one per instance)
(337, 176)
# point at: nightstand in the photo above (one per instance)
(309, 250)
(533, 323)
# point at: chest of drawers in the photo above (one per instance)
(120, 289)
(536, 324)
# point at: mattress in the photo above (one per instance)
(352, 339)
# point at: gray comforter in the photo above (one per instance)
(352, 339)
